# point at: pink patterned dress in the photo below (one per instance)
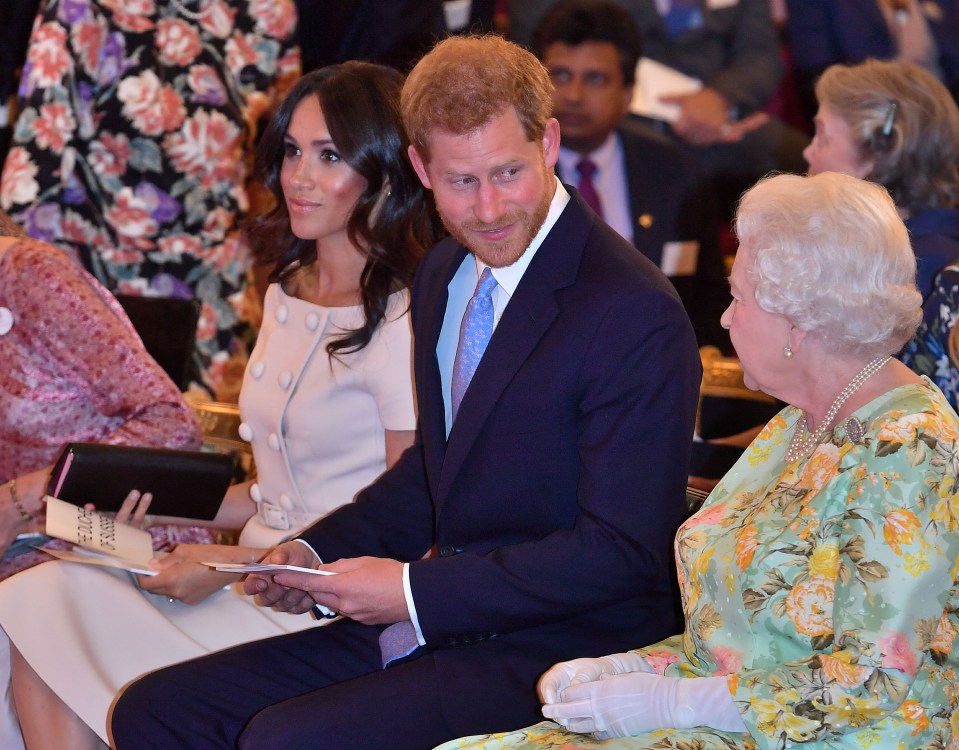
(74, 370)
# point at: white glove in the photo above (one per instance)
(627, 704)
(560, 676)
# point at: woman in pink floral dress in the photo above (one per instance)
(130, 151)
(73, 370)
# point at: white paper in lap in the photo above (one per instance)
(680, 258)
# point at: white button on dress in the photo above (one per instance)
(312, 321)
(257, 370)
(6, 321)
(282, 313)
(286, 502)
(274, 441)
(256, 494)
(246, 432)
(286, 377)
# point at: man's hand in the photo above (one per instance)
(366, 589)
(704, 118)
(283, 597)
(910, 32)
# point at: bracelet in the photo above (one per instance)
(12, 484)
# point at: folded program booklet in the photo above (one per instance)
(186, 484)
(98, 539)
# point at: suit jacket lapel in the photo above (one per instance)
(429, 388)
(531, 311)
(639, 196)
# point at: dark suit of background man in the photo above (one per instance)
(732, 47)
(550, 500)
(650, 192)
(394, 33)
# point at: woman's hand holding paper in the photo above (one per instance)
(182, 575)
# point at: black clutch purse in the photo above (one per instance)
(188, 484)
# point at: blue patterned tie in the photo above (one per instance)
(475, 333)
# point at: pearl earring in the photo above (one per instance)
(787, 352)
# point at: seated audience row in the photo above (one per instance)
(799, 576)
(547, 476)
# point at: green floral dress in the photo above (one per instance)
(825, 589)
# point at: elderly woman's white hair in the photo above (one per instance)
(831, 254)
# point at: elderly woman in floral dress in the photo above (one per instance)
(130, 153)
(819, 578)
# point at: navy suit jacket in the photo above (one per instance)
(551, 508)
(672, 200)
(935, 240)
(668, 185)
(824, 32)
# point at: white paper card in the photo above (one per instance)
(264, 568)
(680, 258)
(81, 555)
(654, 80)
(457, 14)
(100, 533)
(720, 4)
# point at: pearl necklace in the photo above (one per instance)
(802, 443)
(194, 15)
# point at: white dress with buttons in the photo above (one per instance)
(317, 429)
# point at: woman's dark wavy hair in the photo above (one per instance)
(360, 103)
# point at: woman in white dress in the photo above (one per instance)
(327, 404)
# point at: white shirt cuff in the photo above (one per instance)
(408, 593)
(318, 558)
(318, 609)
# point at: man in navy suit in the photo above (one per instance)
(532, 520)
(649, 191)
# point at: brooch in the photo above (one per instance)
(855, 430)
